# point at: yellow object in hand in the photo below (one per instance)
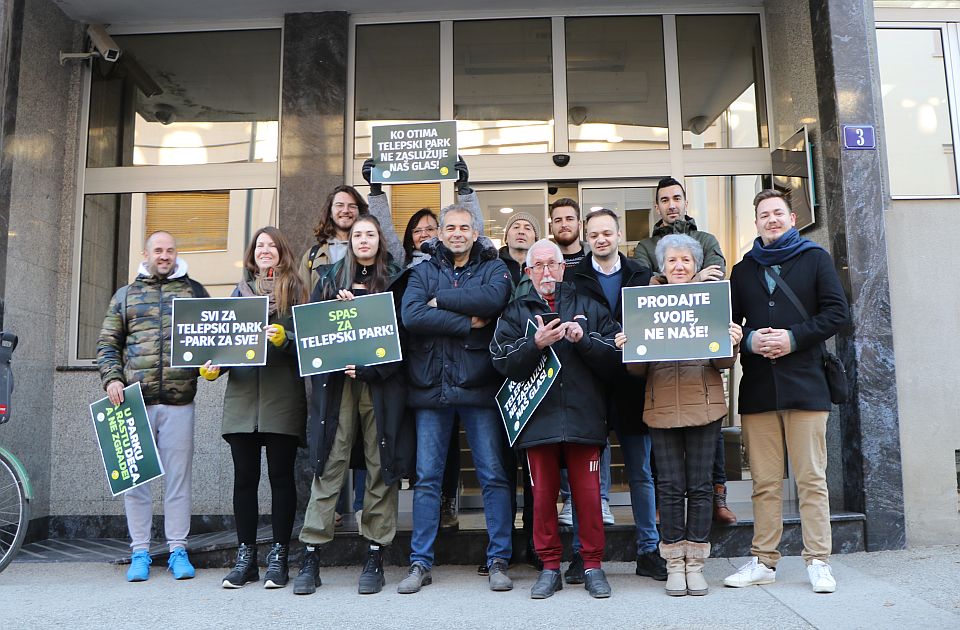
(211, 373)
(279, 335)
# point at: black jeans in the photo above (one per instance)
(281, 455)
(685, 468)
(719, 463)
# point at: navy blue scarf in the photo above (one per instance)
(788, 246)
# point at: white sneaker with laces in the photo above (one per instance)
(565, 517)
(607, 514)
(821, 577)
(753, 572)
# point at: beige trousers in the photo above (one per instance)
(804, 434)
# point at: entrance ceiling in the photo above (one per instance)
(171, 11)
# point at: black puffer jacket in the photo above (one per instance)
(574, 410)
(797, 380)
(396, 430)
(448, 362)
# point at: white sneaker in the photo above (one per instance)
(607, 514)
(565, 517)
(821, 577)
(753, 572)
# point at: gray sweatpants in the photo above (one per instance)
(173, 431)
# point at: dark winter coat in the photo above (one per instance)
(268, 398)
(625, 392)
(448, 362)
(396, 429)
(574, 410)
(796, 380)
(135, 346)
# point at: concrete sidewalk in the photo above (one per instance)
(897, 589)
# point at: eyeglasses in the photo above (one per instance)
(424, 230)
(554, 267)
(340, 206)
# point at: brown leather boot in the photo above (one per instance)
(721, 513)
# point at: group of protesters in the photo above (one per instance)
(470, 317)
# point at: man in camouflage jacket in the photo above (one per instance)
(134, 346)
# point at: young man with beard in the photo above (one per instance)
(565, 226)
(601, 276)
(671, 203)
(344, 204)
(784, 395)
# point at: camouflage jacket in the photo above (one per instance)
(137, 347)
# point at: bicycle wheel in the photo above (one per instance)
(14, 512)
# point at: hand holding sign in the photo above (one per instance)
(115, 392)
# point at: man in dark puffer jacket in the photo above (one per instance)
(134, 346)
(449, 308)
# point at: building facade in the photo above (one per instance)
(220, 118)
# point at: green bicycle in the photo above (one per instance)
(15, 491)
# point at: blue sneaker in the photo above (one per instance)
(139, 569)
(179, 564)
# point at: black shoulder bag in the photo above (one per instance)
(836, 373)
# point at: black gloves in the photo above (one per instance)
(367, 169)
(463, 177)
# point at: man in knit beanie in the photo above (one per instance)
(521, 232)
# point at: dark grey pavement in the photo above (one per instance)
(899, 589)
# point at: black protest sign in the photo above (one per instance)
(224, 331)
(334, 334)
(414, 153)
(672, 322)
(518, 400)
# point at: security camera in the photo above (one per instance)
(165, 114)
(561, 159)
(103, 43)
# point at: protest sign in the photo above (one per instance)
(518, 401)
(126, 442)
(224, 331)
(334, 334)
(420, 152)
(672, 322)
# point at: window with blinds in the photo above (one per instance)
(198, 220)
(407, 199)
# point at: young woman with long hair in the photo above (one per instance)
(265, 407)
(369, 400)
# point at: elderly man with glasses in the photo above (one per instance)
(569, 426)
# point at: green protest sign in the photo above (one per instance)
(126, 441)
(518, 401)
(413, 153)
(673, 322)
(334, 334)
(224, 331)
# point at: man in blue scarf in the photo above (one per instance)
(784, 396)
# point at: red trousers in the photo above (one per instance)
(583, 472)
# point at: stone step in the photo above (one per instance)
(217, 549)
